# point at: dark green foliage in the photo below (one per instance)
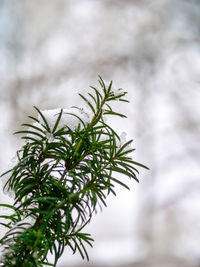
(59, 182)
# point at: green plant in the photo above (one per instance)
(62, 171)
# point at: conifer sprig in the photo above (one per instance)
(60, 176)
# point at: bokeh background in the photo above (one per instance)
(51, 50)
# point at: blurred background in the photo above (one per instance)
(51, 50)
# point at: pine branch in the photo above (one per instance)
(60, 176)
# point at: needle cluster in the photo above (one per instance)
(60, 175)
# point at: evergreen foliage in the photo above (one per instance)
(60, 176)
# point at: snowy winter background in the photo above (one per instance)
(51, 50)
